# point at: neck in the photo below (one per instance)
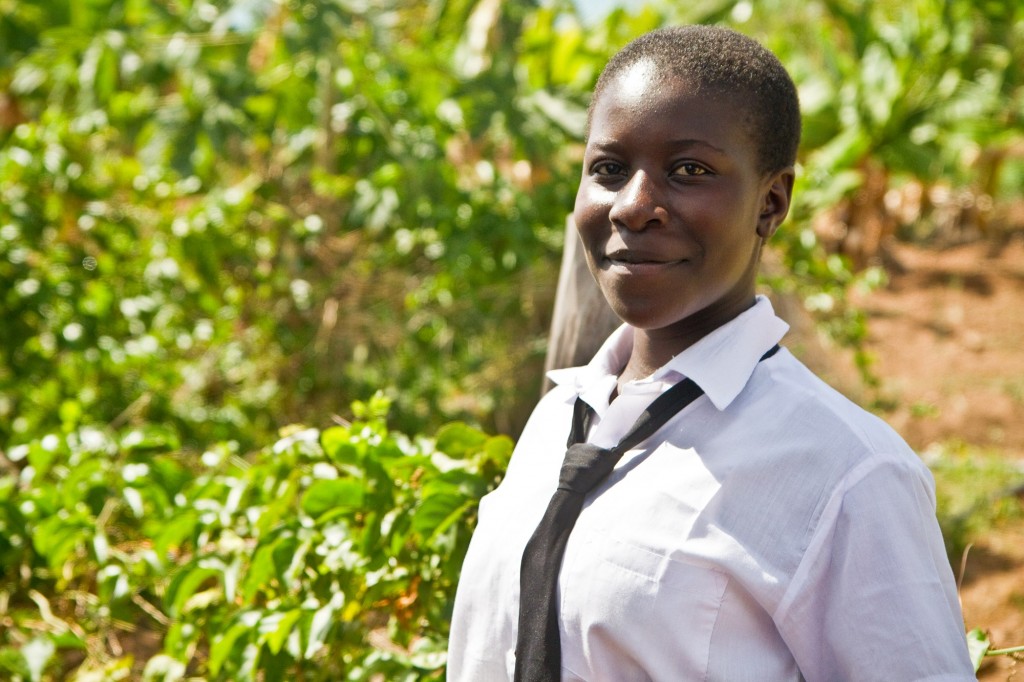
(652, 348)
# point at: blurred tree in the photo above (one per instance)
(203, 203)
(228, 216)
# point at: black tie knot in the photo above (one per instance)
(584, 466)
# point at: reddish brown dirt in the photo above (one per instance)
(947, 337)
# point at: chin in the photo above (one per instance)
(650, 317)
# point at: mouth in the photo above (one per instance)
(632, 260)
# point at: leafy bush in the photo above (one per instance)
(202, 203)
(329, 555)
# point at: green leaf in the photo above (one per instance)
(455, 482)
(320, 625)
(169, 474)
(275, 628)
(43, 453)
(459, 440)
(163, 668)
(58, 539)
(337, 444)
(978, 645)
(13, 661)
(339, 495)
(185, 584)
(260, 572)
(224, 646)
(438, 512)
(175, 531)
(499, 449)
(281, 510)
(150, 438)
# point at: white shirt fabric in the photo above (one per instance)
(772, 530)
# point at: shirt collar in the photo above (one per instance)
(720, 363)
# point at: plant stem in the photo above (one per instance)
(1002, 652)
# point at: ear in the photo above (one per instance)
(777, 194)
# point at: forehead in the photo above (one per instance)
(649, 111)
(642, 87)
(645, 91)
(647, 84)
(635, 81)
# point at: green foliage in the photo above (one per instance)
(228, 216)
(925, 94)
(204, 203)
(975, 492)
(979, 645)
(329, 555)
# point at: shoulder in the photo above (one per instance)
(785, 400)
(872, 550)
(785, 455)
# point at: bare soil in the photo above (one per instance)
(946, 334)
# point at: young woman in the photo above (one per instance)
(770, 530)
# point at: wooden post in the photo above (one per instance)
(581, 320)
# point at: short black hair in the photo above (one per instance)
(723, 61)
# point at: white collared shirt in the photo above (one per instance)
(772, 530)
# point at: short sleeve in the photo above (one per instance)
(874, 596)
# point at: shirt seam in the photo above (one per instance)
(714, 629)
(824, 529)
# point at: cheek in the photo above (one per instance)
(591, 209)
(583, 204)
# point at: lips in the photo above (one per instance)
(633, 259)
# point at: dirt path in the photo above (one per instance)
(948, 337)
(947, 334)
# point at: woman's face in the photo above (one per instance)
(672, 208)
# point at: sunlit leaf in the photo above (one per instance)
(185, 584)
(340, 495)
(459, 440)
(227, 645)
(320, 624)
(978, 645)
(163, 668)
(150, 438)
(438, 512)
(275, 628)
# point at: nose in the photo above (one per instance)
(639, 203)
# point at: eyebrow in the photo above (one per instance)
(682, 143)
(690, 142)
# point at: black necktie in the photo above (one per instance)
(538, 645)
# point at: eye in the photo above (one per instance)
(690, 169)
(607, 168)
